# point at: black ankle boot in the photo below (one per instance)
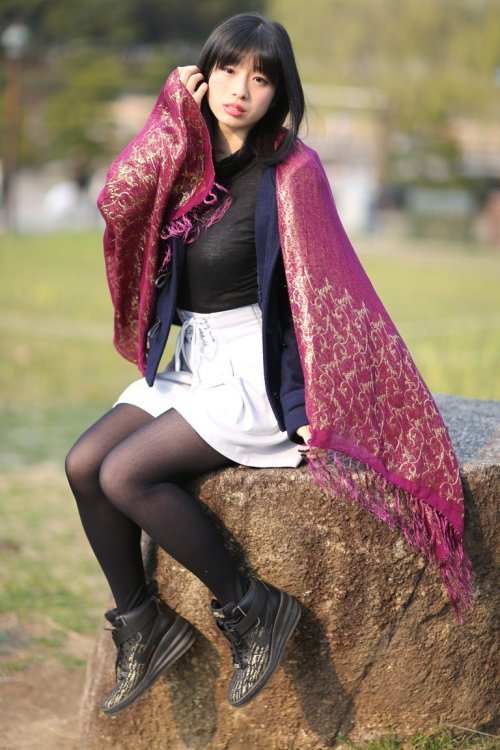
(258, 628)
(149, 639)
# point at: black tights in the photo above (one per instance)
(122, 471)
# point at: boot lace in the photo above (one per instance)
(238, 648)
(122, 664)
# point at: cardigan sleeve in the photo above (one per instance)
(292, 391)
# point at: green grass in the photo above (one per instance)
(443, 740)
(446, 306)
(46, 567)
(56, 323)
(59, 372)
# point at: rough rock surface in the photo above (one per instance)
(377, 646)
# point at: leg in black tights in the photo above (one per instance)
(114, 538)
(122, 472)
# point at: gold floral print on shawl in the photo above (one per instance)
(366, 384)
(362, 385)
(159, 172)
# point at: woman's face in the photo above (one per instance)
(239, 96)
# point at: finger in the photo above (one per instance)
(186, 71)
(200, 93)
(193, 82)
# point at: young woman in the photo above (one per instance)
(219, 219)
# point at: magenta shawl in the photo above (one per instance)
(377, 436)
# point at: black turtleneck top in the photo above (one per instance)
(220, 269)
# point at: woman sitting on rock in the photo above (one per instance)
(218, 218)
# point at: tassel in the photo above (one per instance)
(425, 529)
(200, 217)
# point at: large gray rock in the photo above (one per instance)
(378, 645)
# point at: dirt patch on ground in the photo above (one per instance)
(41, 680)
(39, 708)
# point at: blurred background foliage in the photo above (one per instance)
(83, 55)
(123, 24)
(425, 61)
(429, 60)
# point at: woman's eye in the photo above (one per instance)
(261, 80)
(227, 69)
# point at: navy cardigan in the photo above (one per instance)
(282, 368)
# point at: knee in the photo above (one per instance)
(116, 478)
(81, 465)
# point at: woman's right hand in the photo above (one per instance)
(191, 77)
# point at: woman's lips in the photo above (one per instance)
(234, 109)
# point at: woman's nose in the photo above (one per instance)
(240, 87)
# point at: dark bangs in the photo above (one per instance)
(268, 44)
(256, 43)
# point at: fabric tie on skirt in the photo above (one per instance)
(196, 331)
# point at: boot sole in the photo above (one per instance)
(174, 644)
(288, 616)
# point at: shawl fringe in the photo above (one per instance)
(202, 216)
(189, 225)
(425, 529)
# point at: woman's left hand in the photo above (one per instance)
(193, 80)
(305, 433)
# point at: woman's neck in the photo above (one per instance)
(228, 143)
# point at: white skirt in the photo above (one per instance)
(216, 382)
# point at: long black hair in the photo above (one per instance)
(268, 43)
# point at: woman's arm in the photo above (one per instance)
(292, 392)
(154, 155)
(168, 164)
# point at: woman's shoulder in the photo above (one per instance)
(301, 158)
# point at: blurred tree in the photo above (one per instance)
(85, 54)
(124, 23)
(77, 123)
(431, 59)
